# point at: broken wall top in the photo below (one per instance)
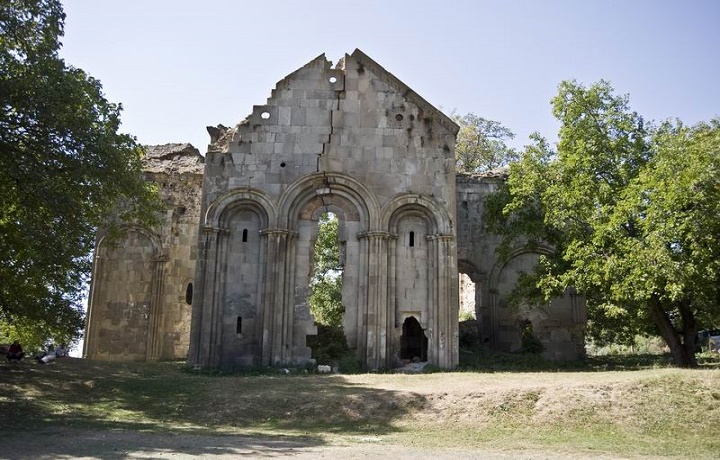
(173, 159)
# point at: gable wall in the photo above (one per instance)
(357, 140)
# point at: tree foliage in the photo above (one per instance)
(481, 144)
(326, 282)
(632, 212)
(63, 169)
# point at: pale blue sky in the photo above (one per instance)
(179, 65)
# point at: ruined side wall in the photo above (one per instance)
(178, 171)
(476, 249)
(558, 324)
(141, 285)
(118, 317)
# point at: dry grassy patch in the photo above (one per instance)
(661, 412)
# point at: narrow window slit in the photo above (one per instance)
(412, 239)
(189, 294)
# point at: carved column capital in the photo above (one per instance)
(377, 235)
(279, 232)
(440, 237)
(209, 229)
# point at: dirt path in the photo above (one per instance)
(54, 443)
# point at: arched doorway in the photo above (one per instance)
(413, 342)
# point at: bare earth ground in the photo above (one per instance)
(151, 420)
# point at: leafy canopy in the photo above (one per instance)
(326, 283)
(63, 169)
(481, 144)
(632, 213)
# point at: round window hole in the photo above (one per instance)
(282, 165)
(332, 80)
(399, 117)
(265, 115)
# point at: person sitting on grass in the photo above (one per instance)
(61, 351)
(15, 352)
(47, 357)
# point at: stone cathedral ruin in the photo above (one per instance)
(224, 280)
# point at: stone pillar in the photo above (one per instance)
(376, 312)
(156, 311)
(449, 296)
(579, 320)
(204, 298)
(443, 346)
(431, 324)
(360, 345)
(277, 315)
(288, 300)
(393, 319)
(493, 298)
(90, 344)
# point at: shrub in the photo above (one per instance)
(329, 346)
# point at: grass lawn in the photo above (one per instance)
(633, 411)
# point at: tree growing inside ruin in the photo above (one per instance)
(481, 144)
(329, 346)
(326, 282)
(632, 212)
(64, 167)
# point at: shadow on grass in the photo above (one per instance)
(63, 442)
(482, 360)
(158, 402)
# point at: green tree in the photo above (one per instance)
(633, 214)
(63, 170)
(326, 282)
(481, 144)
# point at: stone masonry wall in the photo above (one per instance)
(559, 324)
(355, 140)
(142, 282)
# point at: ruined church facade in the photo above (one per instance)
(352, 140)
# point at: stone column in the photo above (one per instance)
(431, 324)
(217, 318)
(579, 321)
(288, 299)
(156, 311)
(450, 296)
(443, 346)
(360, 345)
(393, 320)
(493, 300)
(376, 314)
(90, 344)
(204, 299)
(277, 320)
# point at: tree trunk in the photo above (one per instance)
(689, 331)
(682, 351)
